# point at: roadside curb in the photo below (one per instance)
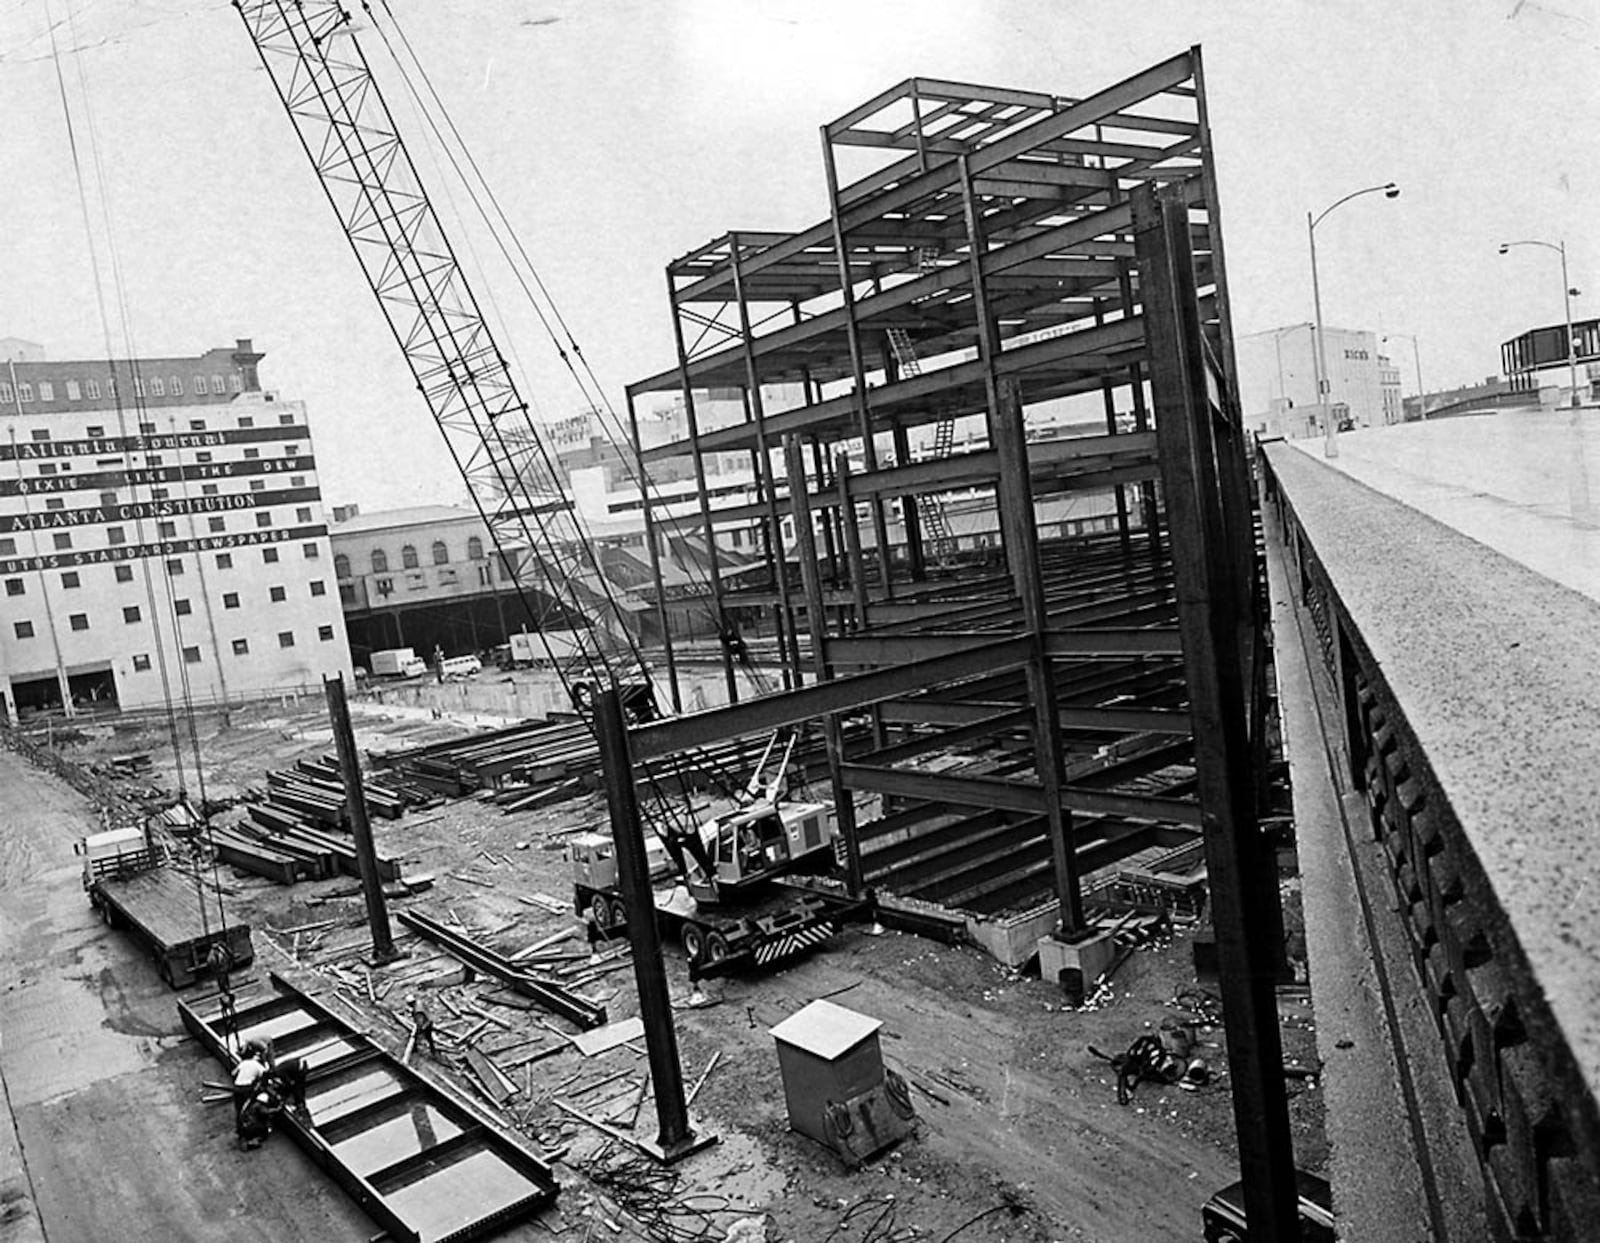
(19, 1212)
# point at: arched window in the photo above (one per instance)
(474, 549)
(441, 554)
(408, 557)
(380, 561)
(341, 566)
(158, 386)
(175, 386)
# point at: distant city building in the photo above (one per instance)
(426, 577)
(1278, 380)
(161, 534)
(1538, 359)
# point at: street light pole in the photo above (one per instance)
(1330, 443)
(1416, 357)
(1566, 299)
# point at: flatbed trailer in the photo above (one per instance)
(159, 907)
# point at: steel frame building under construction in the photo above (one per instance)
(1071, 704)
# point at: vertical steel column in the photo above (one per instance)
(1108, 396)
(1020, 535)
(858, 579)
(676, 1137)
(1205, 564)
(908, 509)
(719, 617)
(355, 801)
(858, 366)
(811, 576)
(766, 481)
(655, 553)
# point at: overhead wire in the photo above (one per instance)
(136, 378)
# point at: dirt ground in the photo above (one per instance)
(1018, 1135)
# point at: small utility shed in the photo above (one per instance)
(828, 1056)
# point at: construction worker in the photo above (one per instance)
(246, 1077)
(421, 1025)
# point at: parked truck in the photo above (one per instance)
(133, 890)
(398, 662)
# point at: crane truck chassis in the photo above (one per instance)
(158, 907)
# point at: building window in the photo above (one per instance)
(111, 386)
(175, 386)
(325, 633)
(216, 385)
(217, 524)
(130, 614)
(151, 459)
(235, 384)
(199, 386)
(47, 468)
(24, 629)
(297, 481)
(380, 561)
(246, 421)
(208, 489)
(91, 390)
(241, 647)
(441, 554)
(202, 457)
(474, 549)
(54, 502)
(448, 578)
(124, 573)
(191, 655)
(182, 608)
(252, 453)
(269, 556)
(73, 392)
(159, 494)
(141, 664)
(174, 568)
(310, 551)
(69, 579)
(62, 540)
(197, 425)
(408, 558)
(416, 582)
(108, 499)
(286, 420)
(47, 391)
(167, 530)
(95, 433)
(8, 546)
(138, 391)
(341, 565)
(15, 587)
(7, 394)
(264, 519)
(285, 638)
(303, 514)
(24, 391)
(278, 595)
(78, 621)
(318, 587)
(158, 386)
(116, 535)
(258, 485)
(230, 600)
(347, 593)
(224, 561)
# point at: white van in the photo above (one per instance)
(460, 666)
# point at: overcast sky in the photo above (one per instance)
(620, 135)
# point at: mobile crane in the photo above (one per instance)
(724, 910)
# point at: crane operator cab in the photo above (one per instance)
(767, 839)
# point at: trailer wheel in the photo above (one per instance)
(619, 913)
(694, 942)
(599, 912)
(716, 947)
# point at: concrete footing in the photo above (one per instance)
(1078, 963)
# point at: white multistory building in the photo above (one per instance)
(1278, 380)
(162, 539)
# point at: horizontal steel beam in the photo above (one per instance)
(1014, 795)
(840, 695)
(879, 650)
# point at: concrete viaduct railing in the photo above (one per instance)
(1442, 716)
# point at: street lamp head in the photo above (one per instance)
(1391, 191)
(1505, 247)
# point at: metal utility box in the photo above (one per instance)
(837, 1088)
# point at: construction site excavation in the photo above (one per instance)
(869, 825)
